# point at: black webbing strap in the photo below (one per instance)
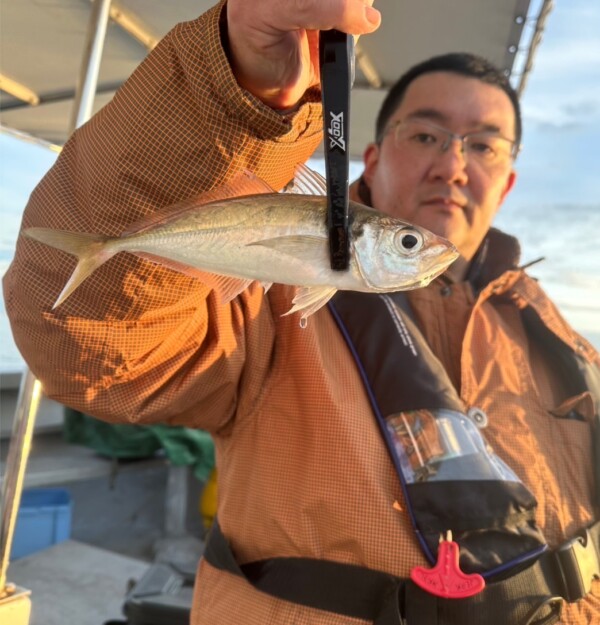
(336, 58)
(341, 588)
(531, 597)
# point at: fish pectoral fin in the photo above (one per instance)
(227, 287)
(309, 299)
(306, 182)
(298, 246)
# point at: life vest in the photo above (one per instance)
(452, 481)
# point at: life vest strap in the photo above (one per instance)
(532, 596)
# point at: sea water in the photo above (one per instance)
(564, 235)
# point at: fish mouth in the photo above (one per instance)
(447, 258)
(443, 261)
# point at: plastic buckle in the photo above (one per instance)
(578, 560)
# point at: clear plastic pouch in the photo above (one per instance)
(438, 445)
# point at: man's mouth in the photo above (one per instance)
(446, 202)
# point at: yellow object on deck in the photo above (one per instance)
(15, 606)
(208, 500)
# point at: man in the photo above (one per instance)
(303, 469)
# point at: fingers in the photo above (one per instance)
(273, 44)
(357, 17)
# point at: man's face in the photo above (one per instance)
(438, 189)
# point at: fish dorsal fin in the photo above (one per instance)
(303, 247)
(306, 182)
(227, 287)
(244, 183)
(309, 299)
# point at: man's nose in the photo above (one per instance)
(450, 162)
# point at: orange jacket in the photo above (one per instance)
(302, 467)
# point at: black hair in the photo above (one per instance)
(462, 63)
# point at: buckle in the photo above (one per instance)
(578, 560)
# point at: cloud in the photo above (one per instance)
(583, 109)
(569, 117)
(563, 91)
(562, 55)
(556, 119)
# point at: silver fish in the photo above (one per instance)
(244, 231)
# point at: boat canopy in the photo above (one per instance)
(45, 45)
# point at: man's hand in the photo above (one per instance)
(274, 44)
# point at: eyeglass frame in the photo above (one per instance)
(451, 136)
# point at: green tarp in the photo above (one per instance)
(182, 446)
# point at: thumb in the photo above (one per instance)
(356, 17)
(371, 16)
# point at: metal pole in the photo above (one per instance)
(20, 443)
(536, 38)
(31, 389)
(90, 67)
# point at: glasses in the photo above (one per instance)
(422, 138)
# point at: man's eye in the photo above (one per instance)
(424, 137)
(484, 148)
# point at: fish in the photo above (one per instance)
(245, 231)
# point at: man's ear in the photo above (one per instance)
(370, 159)
(510, 183)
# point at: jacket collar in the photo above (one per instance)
(499, 252)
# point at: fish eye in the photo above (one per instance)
(409, 240)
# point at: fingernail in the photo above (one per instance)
(373, 15)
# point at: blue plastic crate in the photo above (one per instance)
(44, 519)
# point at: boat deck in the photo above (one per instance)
(74, 582)
(125, 516)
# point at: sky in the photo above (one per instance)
(560, 160)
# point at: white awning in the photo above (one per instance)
(43, 43)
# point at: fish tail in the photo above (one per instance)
(91, 251)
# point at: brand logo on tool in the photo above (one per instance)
(336, 131)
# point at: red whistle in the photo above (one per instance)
(446, 579)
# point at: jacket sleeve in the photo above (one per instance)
(138, 342)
